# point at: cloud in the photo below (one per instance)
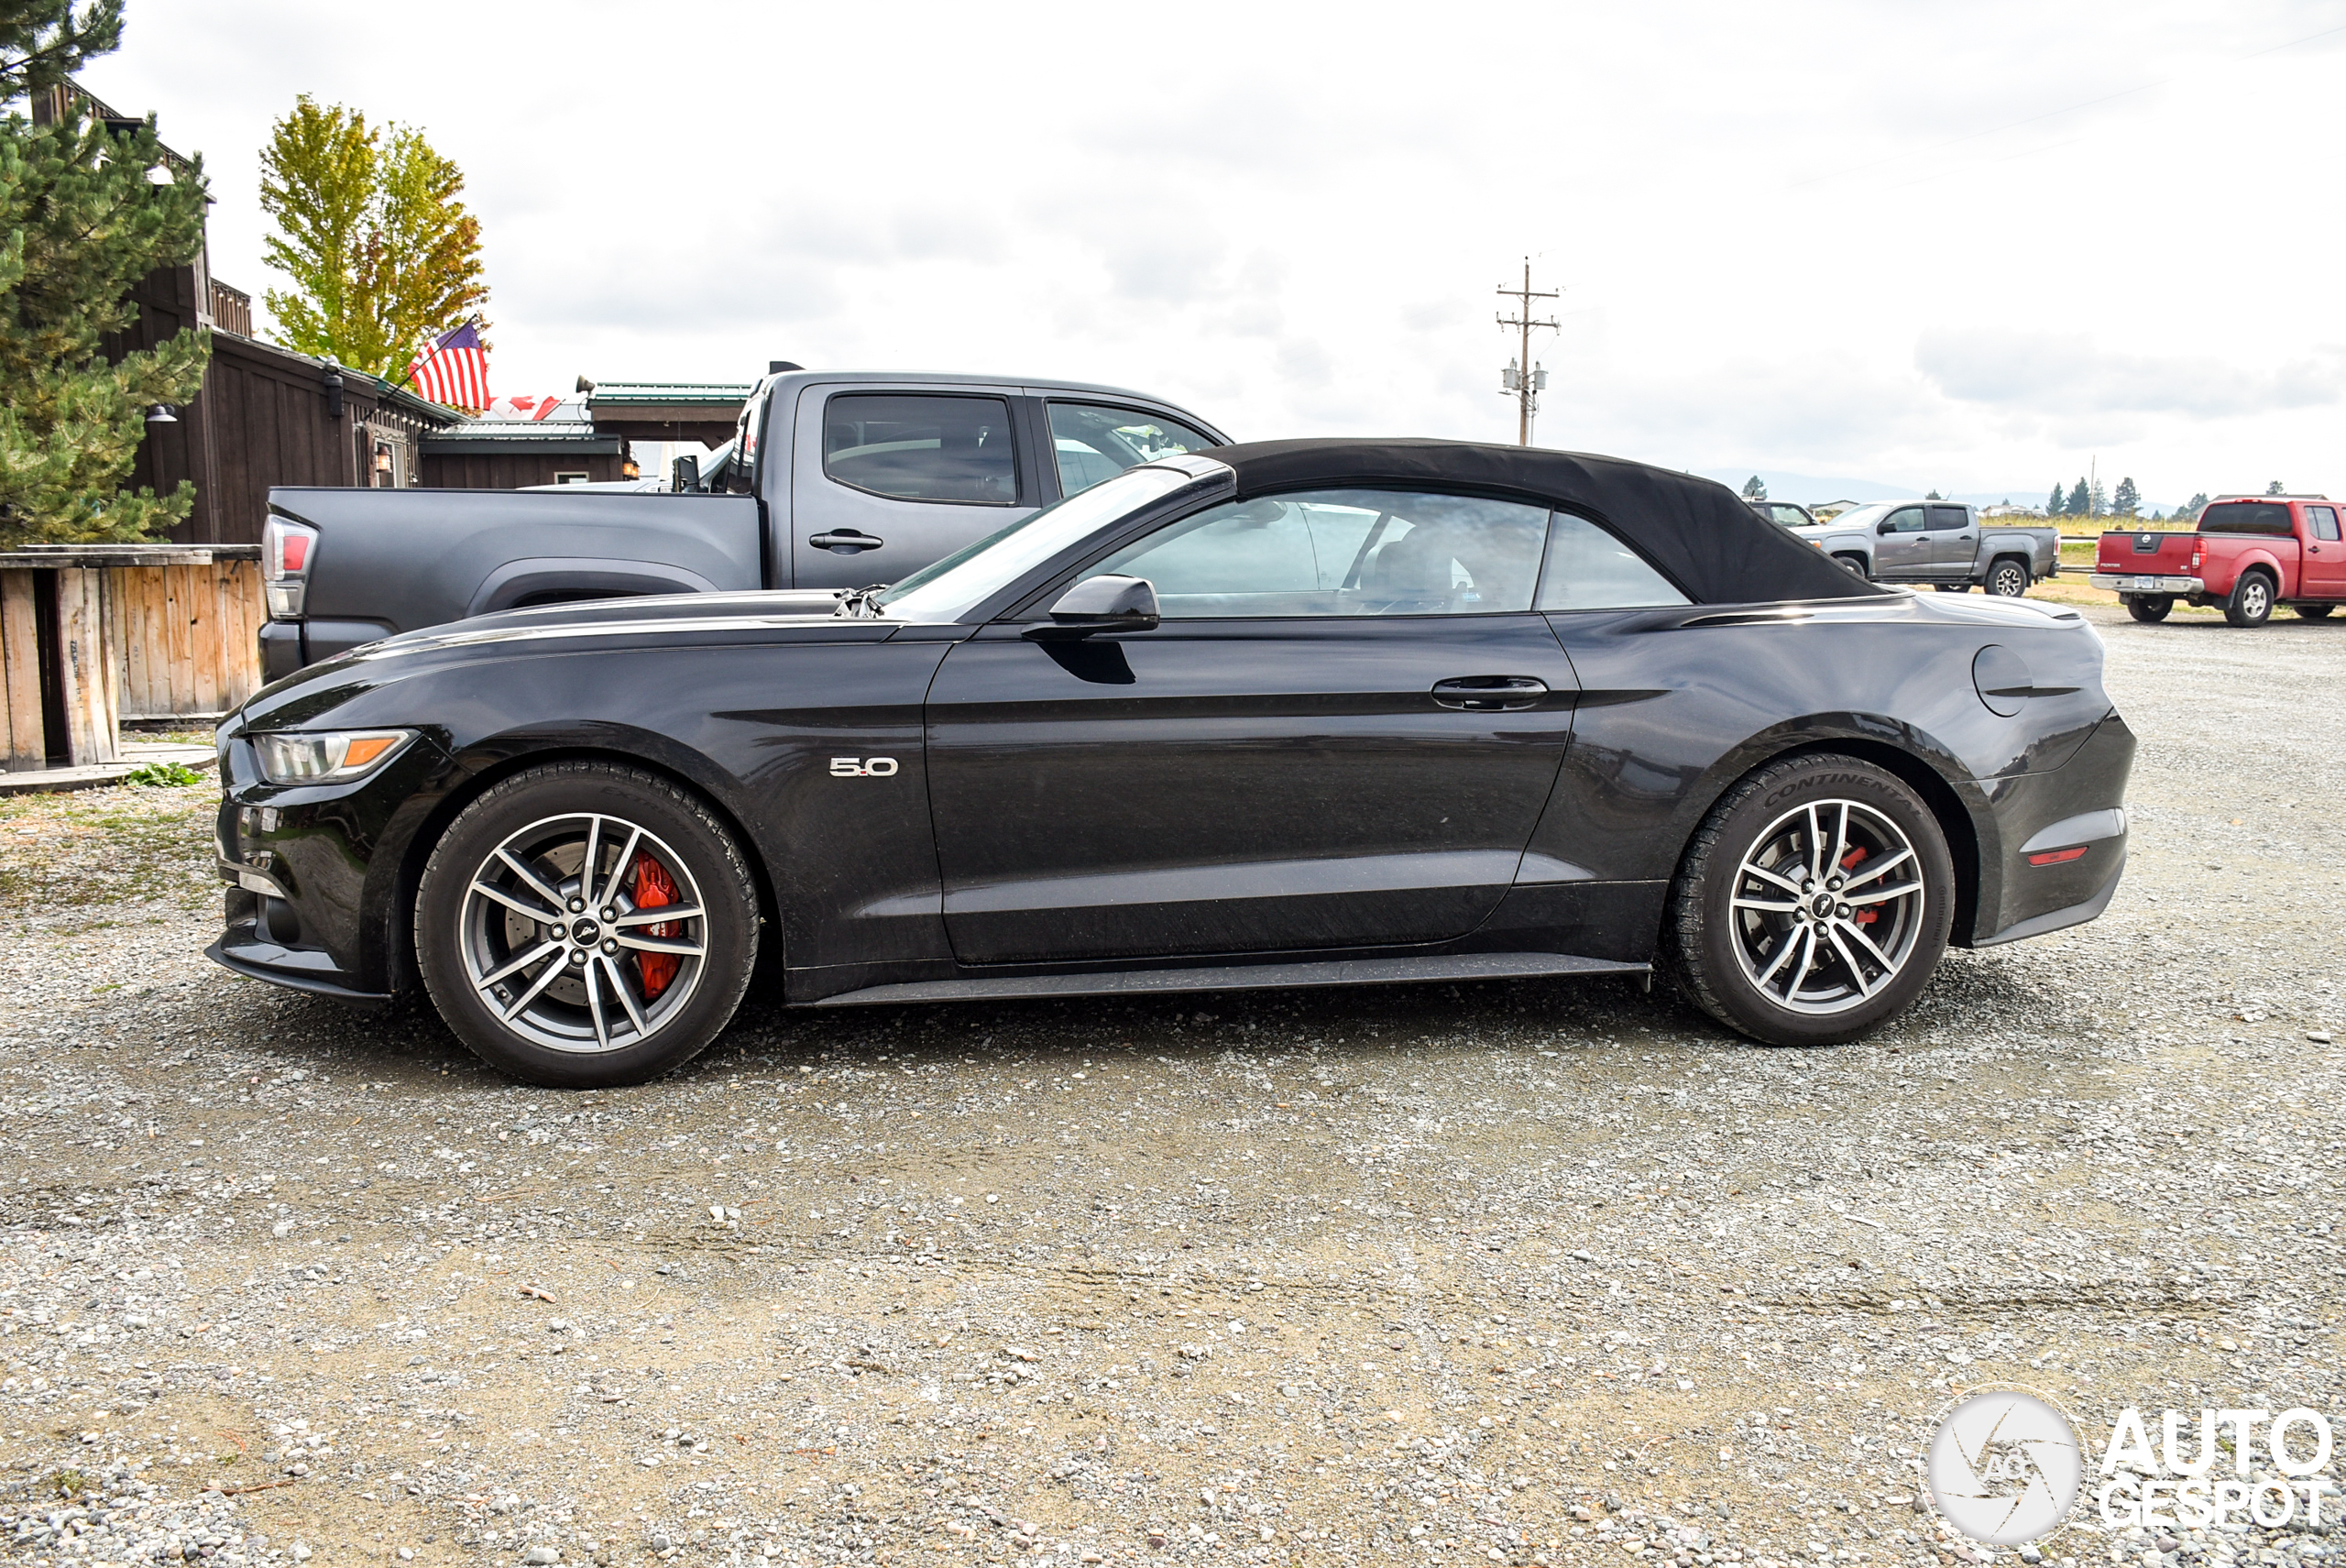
(2068, 376)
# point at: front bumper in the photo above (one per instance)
(2128, 583)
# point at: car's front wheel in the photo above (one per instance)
(584, 924)
(2149, 608)
(1812, 903)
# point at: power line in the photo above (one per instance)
(1522, 380)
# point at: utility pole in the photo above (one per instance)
(1522, 380)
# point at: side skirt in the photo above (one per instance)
(1239, 977)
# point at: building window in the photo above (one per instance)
(571, 478)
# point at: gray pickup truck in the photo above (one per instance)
(1940, 543)
(834, 480)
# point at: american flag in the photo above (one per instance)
(454, 370)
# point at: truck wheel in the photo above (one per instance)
(2008, 578)
(2252, 600)
(2149, 608)
(2315, 611)
(1856, 565)
(585, 924)
(1812, 904)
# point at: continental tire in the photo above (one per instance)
(585, 924)
(2251, 603)
(1813, 905)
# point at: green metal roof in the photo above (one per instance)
(711, 395)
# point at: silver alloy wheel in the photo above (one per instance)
(2009, 580)
(572, 942)
(2255, 596)
(1827, 907)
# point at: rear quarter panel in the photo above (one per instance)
(1678, 705)
(2226, 555)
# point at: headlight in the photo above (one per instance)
(326, 756)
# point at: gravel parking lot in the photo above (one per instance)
(1494, 1273)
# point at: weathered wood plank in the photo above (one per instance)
(179, 642)
(204, 597)
(85, 667)
(20, 670)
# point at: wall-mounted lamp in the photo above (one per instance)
(162, 413)
(331, 384)
(629, 470)
(382, 457)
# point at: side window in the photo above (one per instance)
(1905, 520)
(1095, 441)
(1589, 569)
(921, 449)
(1343, 553)
(1949, 517)
(2324, 521)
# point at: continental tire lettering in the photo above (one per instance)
(1819, 781)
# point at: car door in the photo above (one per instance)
(1340, 735)
(885, 480)
(1901, 544)
(2323, 568)
(1955, 540)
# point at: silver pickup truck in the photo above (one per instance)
(1940, 543)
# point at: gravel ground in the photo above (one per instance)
(1509, 1273)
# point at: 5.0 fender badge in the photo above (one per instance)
(863, 767)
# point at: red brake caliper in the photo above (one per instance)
(1849, 863)
(655, 889)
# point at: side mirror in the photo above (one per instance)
(1885, 527)
(684, 473)
(1109, 603)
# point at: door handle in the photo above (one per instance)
(846, 541)
(1963, 539)
(1490, 694)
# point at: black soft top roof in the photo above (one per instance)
(1700, 533)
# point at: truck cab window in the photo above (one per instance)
(922, 448)
(2323, 521)
(1095, 441)
(1905, 520)
(1949, 517)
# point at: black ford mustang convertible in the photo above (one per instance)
(1297, 713)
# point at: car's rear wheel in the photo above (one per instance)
(2008, 579)
(2252, 600)
(1812, 903)
(2149, 608)
(2315, 611)
(584, 924)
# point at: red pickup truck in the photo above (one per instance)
(2250, 553)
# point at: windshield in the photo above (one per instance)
(1859, 517)
(951, 588)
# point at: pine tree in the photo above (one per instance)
(1933, 495)
(1753, 490)
(2080, 501)
(2275, 488)
(2128, 501)
(85, 213)
(2197, 502)
(2096, 501)
(2055, 506)
(381, 253)
(42, 42)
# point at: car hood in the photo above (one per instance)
(604, 625)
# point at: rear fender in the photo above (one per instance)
(546, 579)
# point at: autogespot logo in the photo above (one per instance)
(2004, 1465)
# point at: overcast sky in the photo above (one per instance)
(1972, 245)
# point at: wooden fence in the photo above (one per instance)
(91, 635)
